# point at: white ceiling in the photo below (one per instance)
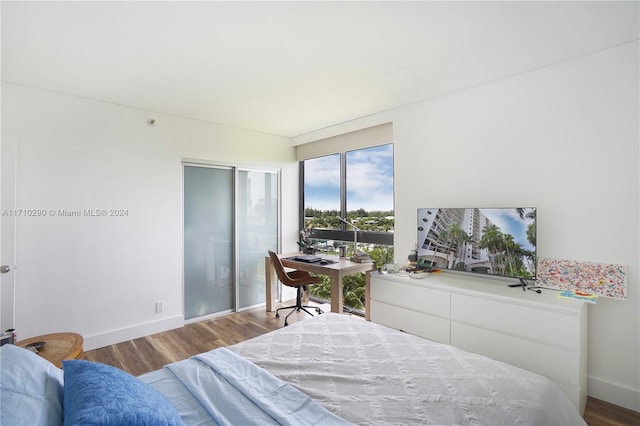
(289, 68)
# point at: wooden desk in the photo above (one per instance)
(57, 347)
(336, 272)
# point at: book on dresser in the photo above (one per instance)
(537, 332)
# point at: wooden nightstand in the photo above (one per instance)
(57, 346)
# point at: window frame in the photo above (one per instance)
(345, 233)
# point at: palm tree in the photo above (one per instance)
(510, 247)
(457, 236)
(531, 229)
(467, 241)
(439, 241)
(492, 241)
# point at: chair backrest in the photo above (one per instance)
(279, 267)
(296, 278)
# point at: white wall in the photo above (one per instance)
(101, 276)
(562, 138)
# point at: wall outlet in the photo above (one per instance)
(159, 307)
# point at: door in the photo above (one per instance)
(8, 156)
(257, 232)
(208, 241)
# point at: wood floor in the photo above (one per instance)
(149, 353)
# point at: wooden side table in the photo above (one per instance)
(57, 346)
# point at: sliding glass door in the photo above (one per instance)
(257, 232)
(230, 221)
(208, 241)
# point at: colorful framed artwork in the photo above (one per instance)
(603, 279)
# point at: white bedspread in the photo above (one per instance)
(370, 374)
(221, 388)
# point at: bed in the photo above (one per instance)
(330, 369)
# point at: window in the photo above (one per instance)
(322, 192)
(356, 186)
(369, 186)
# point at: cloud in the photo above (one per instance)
(322, 172)
(369, 180)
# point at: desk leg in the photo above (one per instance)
(270, 279)
(336, 292)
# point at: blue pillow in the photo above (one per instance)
(97, 393)
(30, 388)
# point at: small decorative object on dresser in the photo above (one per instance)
(55, 347)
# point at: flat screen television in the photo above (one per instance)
(493, 241)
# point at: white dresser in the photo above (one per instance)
(537, 332)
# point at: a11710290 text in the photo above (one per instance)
(65, 212)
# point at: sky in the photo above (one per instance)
(369, 180)
(509, 222)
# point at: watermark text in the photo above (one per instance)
(65, 212)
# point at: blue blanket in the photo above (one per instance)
(235, 391)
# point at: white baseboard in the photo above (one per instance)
(140, 330)
(614, 393)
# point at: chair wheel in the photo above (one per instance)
(277, 315)
(319, 311)
(286, 323)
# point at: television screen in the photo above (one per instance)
(495, 241)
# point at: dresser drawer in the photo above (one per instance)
(538, 324)
(413, 322)
(415, 297)
(543, 359)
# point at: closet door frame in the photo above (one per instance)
(236, 169)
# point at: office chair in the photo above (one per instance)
(298, 279)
